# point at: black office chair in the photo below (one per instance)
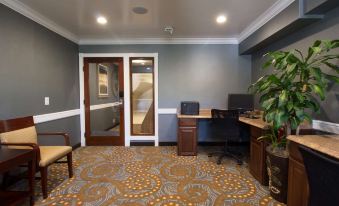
(323, 177)
(225, 124)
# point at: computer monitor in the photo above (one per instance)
(242, 102)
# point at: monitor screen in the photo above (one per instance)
(241, 101)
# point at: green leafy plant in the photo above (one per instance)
(277, 138)
(287, 95)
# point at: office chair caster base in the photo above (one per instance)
(230, 155)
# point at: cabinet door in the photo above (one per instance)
(297, 184)
(187, 143)
(255, 160)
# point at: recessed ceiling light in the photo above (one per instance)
(101, 20)
(139, 10)
(221, 19)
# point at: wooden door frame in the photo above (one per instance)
(102, 140)
(127, 132)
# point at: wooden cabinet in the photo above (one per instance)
(297, 178)
(257, 164)
(187, 137)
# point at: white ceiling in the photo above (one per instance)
(190, 18)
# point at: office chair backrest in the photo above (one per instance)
(323, 177)
(226, 123)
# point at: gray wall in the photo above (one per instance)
(205, 73)
(36, 62)
(328, 28)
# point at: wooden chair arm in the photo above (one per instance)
(35, 147)
(65, 135)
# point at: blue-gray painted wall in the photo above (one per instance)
(328, 28)
(35, 63)
(205, 73)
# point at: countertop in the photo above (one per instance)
(327, 144)
(206, 114)
(255, 122)
(203, 114)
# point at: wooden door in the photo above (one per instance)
(104, 106)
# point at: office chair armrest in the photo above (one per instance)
(35, 147)
(65, 135)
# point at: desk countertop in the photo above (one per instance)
(255, 122)
(203, 114)
(206, 114)
(327, 144)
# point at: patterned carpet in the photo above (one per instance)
(151, 176)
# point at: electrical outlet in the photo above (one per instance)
(46, 101)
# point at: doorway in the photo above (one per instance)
(104, 100)
(124, 63)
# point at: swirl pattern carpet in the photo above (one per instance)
(151, 176)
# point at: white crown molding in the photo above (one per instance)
(325, 126)
(55, 116)
(39, 18)
(46, 22)
(159, 41)
(274, 10)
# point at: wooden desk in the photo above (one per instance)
(298, 190)
(257, 162)
(188, 132)
(12, 158)
(188, 140)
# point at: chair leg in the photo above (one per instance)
(69, 163)
(43, 172)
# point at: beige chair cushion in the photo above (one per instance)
(50, 154)
(26, 135)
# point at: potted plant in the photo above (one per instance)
(287, 97)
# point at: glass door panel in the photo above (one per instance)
(142, 96)
(104, 98)
(103, 101)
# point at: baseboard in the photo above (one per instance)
(200, 143)
(76, 146)
(142, 143)
(168, 143)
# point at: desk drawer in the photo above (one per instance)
(187, 122)
(256, 132)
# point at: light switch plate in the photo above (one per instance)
(46, 101)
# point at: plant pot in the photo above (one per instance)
(277, 169)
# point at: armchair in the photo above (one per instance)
(21, 133)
